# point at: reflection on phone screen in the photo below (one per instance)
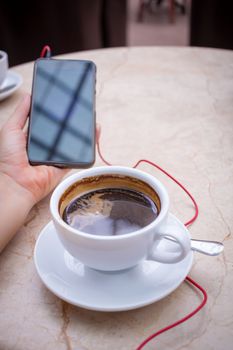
(62, 115)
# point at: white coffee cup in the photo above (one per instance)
(3, 66)
(109, 253)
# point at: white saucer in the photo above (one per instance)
(79, 285)
(12, 78)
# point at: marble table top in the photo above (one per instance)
(173, 106)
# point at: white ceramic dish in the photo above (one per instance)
(129, 289)
(12, 80)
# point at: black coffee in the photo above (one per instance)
(110, 211)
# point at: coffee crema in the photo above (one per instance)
(109, 205)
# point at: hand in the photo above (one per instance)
(36, 181)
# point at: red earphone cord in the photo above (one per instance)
(190, 280)
(46, 52)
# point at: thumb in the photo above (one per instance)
(21, 113)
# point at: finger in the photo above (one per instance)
(20, 115)
(60, 172)
(51, 176)
(57, 176)
(25, 131)
(57, 173)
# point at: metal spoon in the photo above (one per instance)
(211, 248)
(207, 247)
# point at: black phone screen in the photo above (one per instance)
(62, 117)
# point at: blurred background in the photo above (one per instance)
(75, 25)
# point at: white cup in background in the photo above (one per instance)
(3, 66)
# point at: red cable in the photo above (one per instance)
(197, 309)
(178, 183)
(156, 166)
(46, 49)
(98, 132)
(182, 319)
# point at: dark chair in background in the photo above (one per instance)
(150, 5)
(65, 25)
(212, 23)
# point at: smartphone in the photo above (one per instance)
(61, 128)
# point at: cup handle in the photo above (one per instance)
(183, 246)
